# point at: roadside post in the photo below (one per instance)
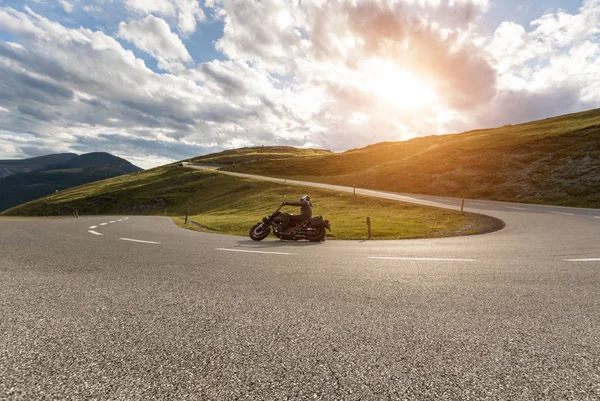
(462, 207)
(369, 228)
(354, 189)
(187, 215)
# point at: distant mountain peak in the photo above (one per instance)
(16, 166)
(66, 172)
(95, 159)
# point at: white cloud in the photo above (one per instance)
(164, 7)
(554, 68)
(68, 7)
(188, 12)
(337, 74)
(153, 36)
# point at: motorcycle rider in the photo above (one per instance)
(305, 212)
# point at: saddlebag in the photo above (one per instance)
(316, 221)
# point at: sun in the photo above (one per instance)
(395, 87)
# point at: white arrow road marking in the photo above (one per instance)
(426, 259)
(583, 260)
(515, 208)
(243, 250)
(566, 214)
(92, 227)
(139, 240)
(94, 232)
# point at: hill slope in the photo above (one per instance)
(10, 167)
(553, 161)
(19, 188)
(259, 154)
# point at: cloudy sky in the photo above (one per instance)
(160, 80)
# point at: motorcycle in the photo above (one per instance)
(312, 229)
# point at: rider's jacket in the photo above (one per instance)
(306, 206)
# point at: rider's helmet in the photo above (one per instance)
(305, 198)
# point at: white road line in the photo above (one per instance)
(583, 260)
(478, 204)
(243, 250)
(443, 200)
(92, 227)
(139, 240)
(110, 222)
(103, 224)
(426, 259)
(126, 218)
(515, 208)
(566, 214)
(597, 217)
(120, 220)
(94, 232)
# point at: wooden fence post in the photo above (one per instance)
(369, 227)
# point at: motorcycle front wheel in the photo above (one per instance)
(259, 231)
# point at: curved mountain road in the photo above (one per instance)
(110, 307)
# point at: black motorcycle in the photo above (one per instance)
(312, 229)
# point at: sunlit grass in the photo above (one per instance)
(553, 161)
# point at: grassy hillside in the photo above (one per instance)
(554, 161)
(259, 154)
(232, 205)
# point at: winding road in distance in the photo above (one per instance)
(116, 307)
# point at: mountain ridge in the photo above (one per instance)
(15, 166)
(81, 169)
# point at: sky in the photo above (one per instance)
(156, 81)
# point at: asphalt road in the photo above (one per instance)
(88, 312)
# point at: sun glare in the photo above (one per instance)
(395, 87)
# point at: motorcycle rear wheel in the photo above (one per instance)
(259, 231)
(319, 236)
